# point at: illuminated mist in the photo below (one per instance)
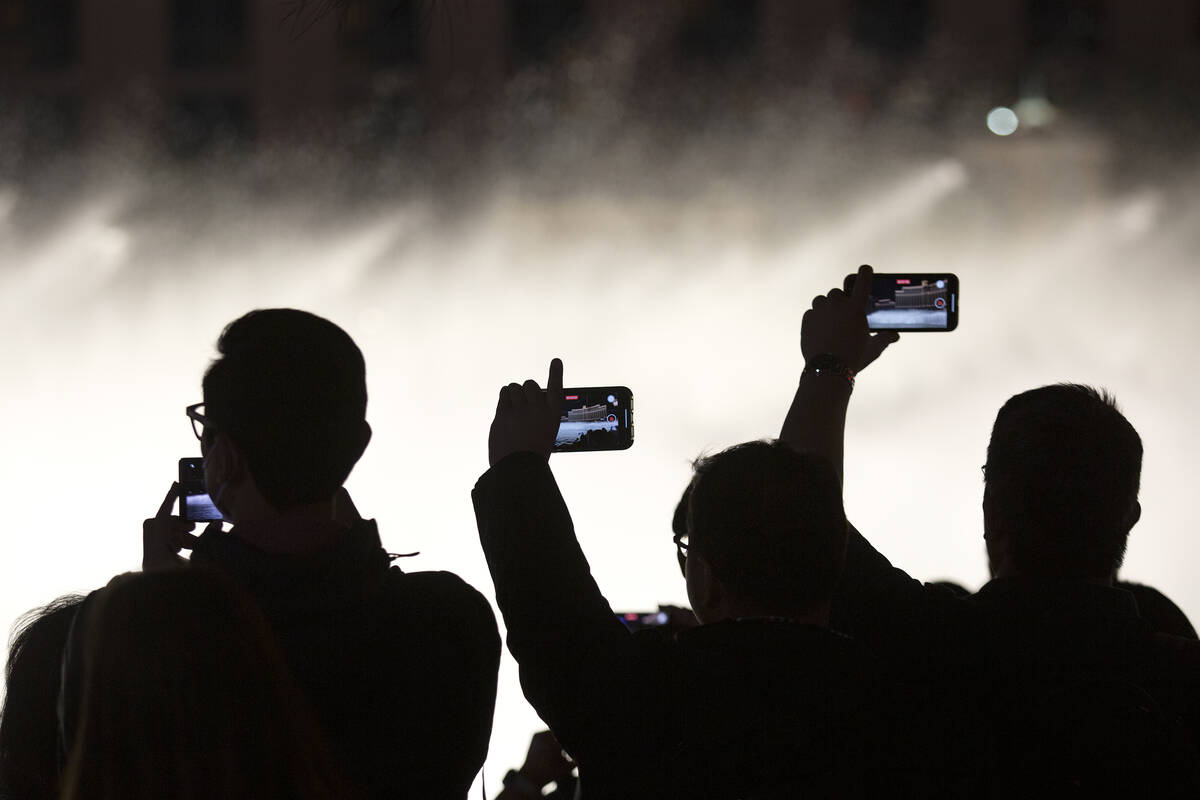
(677, 267)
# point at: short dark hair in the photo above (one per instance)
(289, 389)
(1062, 474)
(770, 522)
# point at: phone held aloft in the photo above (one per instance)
(194, 503)
(911, 301)
(595, 418)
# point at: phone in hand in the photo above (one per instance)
(912, 301)
(194, 503)
(595, 418)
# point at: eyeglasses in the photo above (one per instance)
(681, 548)
(199, 421)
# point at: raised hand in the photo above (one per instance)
(526, 417)
(837, 324)
(164, 534)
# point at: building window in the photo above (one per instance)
(714, 30)
(208, 33)
(42, 34)
(895, 27)
(1067, 24)
(202, 124)
(538, 28)
(383, 34)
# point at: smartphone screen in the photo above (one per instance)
(595, 418)
(194, 503)
(919, 301)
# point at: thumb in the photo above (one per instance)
(876, 344)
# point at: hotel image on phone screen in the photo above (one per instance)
(597, 418)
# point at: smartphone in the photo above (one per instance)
(636, 620)
(595, 418)
(915, 301)
(194, 503)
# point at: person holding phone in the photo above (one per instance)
(760, 699)
(1080, 693)
(400, 668)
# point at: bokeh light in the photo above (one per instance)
(1002, 121)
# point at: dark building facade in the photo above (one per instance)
(924, 296)
(197, 72)
(594, 413)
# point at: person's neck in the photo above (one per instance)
(264, 513)
(301, 530)
(1095, 580)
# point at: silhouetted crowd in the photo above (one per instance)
(289, 657)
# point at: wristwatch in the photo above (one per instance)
(829, 364)
(521, 783)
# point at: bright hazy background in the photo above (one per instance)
(678, 266)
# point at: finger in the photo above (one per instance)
(168, 503)
(819, 301)
(516, 395)
(554, 385)
(862, 287)
(533, 392)
(186, 541)
(216, 526)
(836, 294)
(877, 344)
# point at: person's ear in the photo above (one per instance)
(987, 510)
(705, 591)
(1135, 514)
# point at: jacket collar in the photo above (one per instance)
(351, 565)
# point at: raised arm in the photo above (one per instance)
(876, 602)
(570, 646)
(837, 346)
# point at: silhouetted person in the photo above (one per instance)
(1158, 610)
(183, 693)
(400, 668)
(1080, 691)
(29, 759)
(759, 700)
